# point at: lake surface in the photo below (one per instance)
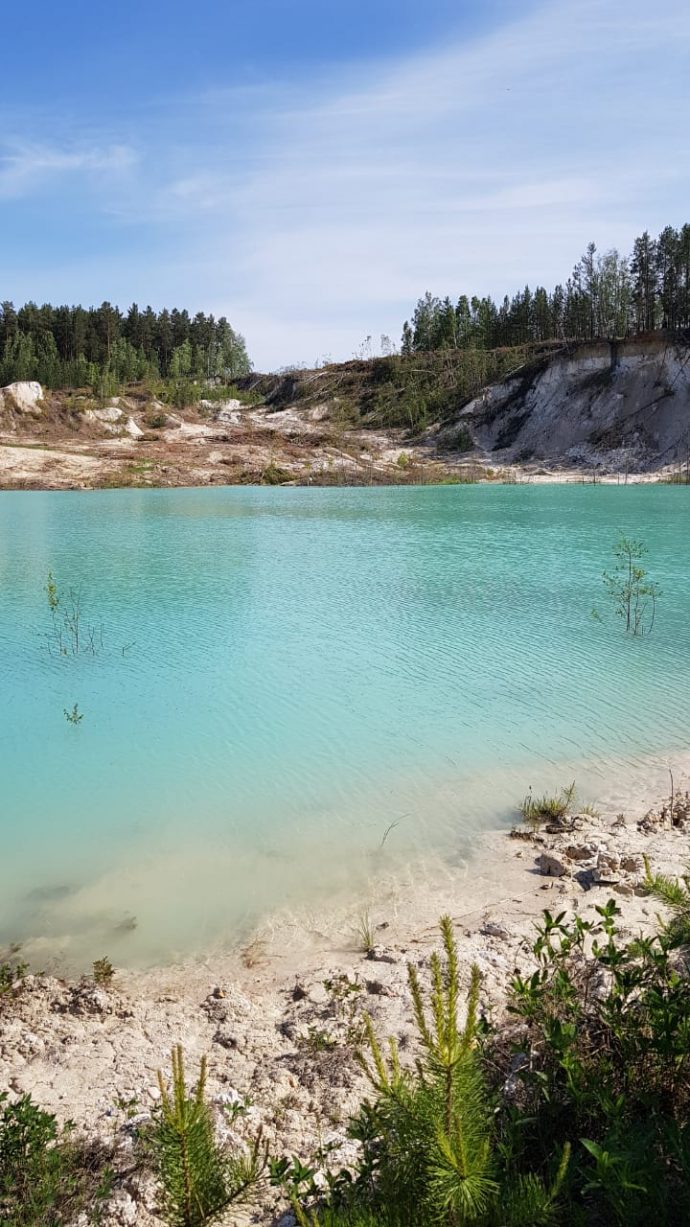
(281, 677)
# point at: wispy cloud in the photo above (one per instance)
(472, 169)
(26, 168)
(315, 212)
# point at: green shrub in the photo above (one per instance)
(274, 475)
(47, 1178)
(103, 971)
(606, 1062)
(155, 421)
(463, 440)
(10, 972)
(430, 1151)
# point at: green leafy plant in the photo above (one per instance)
(199, 1181)
(73, 716)
(605, 1057)
(12, 968)
(103, 972)
(47, 1177)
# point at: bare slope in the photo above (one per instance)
(619, 405)
(554, 411)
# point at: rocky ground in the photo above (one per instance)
(280, 1021)
(57, 441)
(63, 440)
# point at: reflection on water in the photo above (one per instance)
(287, 674)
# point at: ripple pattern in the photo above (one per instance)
(286, 673)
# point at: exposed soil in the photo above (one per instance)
(592, 412)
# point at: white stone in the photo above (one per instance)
(132, 429)
(23, 396)
(551, 865)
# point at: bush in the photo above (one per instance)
(480, 1129)
(47, 1178)
(10, 972)
(155, 421)
(430, 1149)
(274, 475)
(606, 1060)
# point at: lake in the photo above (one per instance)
(284, 692)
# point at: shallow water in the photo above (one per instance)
(283, 675)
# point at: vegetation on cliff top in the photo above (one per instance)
(607, 295)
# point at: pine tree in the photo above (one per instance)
(198, 1179)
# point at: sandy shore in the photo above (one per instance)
(273, 1019)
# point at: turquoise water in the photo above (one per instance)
(280, 675)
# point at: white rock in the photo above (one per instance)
(23, 396)
(122, 1209)
(132, 429)
(111, 413)
(230, 412)
(551, 865)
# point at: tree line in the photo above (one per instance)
(102, 348)
(607, 295)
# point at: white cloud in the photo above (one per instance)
(25, 168)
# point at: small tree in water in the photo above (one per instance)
(632, 592)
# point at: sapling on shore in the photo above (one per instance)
(199, 1178)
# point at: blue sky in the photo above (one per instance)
(310, 169)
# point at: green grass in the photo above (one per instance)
(549, 807)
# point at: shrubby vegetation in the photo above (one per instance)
(631, 591)
(607, 295)
(414, 391)
(578, 1116)
(47, 1176)
(101, 348)
(575, 1114)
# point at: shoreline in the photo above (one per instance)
(311, 893)
(503, 475)
(270, 1018)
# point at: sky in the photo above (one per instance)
(310, 169)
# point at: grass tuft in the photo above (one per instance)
(550, 807)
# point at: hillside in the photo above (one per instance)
(622, 406)
(529, 412)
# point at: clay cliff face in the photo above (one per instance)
(625, 404)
